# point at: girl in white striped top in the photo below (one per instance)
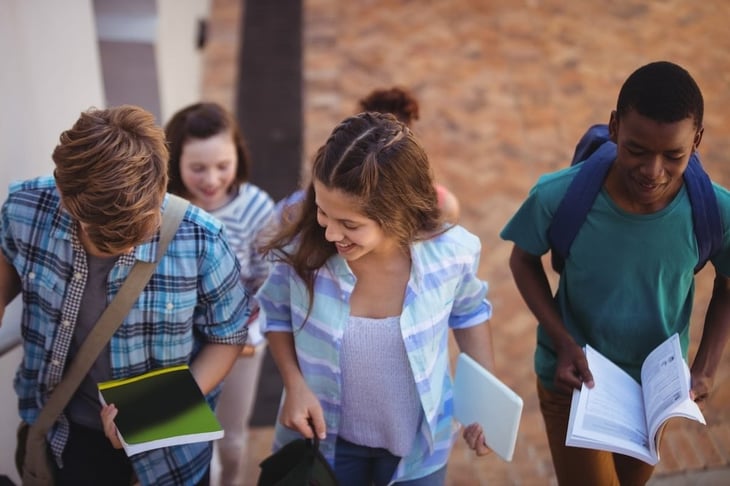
(210, 166)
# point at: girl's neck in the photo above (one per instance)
(381, 285)
(390, 260)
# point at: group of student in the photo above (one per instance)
(354, 285)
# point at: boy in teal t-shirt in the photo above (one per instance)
(628, 282)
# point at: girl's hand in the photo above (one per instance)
(303, 412)
(474, 437)
(108, 414)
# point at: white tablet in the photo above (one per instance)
(481, 397)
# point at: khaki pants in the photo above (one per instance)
(578, 466)
(235, 406)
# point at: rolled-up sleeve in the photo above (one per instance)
(471, 306)
(224, 305)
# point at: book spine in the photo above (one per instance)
(124, 381)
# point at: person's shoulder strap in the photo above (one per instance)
(579, 198)
(708, 226)
(171, 219)
(593, 138)
(577, 202)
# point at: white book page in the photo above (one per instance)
(612, 411)
(666, 382)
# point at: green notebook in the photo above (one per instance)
(160, 408)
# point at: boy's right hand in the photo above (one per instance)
(303, 412)
(108, 414)
(572, 369)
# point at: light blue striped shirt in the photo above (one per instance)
(443, 292)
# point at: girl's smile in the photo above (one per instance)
(208, 170)
(353, 234)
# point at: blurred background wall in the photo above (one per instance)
(60, 58)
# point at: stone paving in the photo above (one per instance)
(506, 89)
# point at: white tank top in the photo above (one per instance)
(380, 403)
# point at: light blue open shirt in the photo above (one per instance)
(443, 292)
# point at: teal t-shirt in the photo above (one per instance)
(628, 283)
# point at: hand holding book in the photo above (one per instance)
(161, 408)
(108, 414)
(481, 398)
(620, 415)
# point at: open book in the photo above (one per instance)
(161, 408)
(619, 415)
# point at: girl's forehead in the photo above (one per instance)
(340, 204)
(217, 139)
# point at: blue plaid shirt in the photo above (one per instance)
(444, 292)
(194, 297)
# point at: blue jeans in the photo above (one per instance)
(357, 465)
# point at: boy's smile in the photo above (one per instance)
(651, 159)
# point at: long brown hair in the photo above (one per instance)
(375, 158)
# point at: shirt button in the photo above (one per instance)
(170, 306)
(31, 275)
(66, 323)
(55, 362)
(77, 275)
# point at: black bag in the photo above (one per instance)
(299, 463)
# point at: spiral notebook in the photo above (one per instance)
(481, 397)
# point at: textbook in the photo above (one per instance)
(481, 397)
(619, 415)
(160, 408)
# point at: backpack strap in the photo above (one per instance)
(583, 190)
(706, 219)
(577, 202)
(594, 137)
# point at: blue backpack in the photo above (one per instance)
(595, 152)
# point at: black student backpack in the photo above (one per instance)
(595, 152)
